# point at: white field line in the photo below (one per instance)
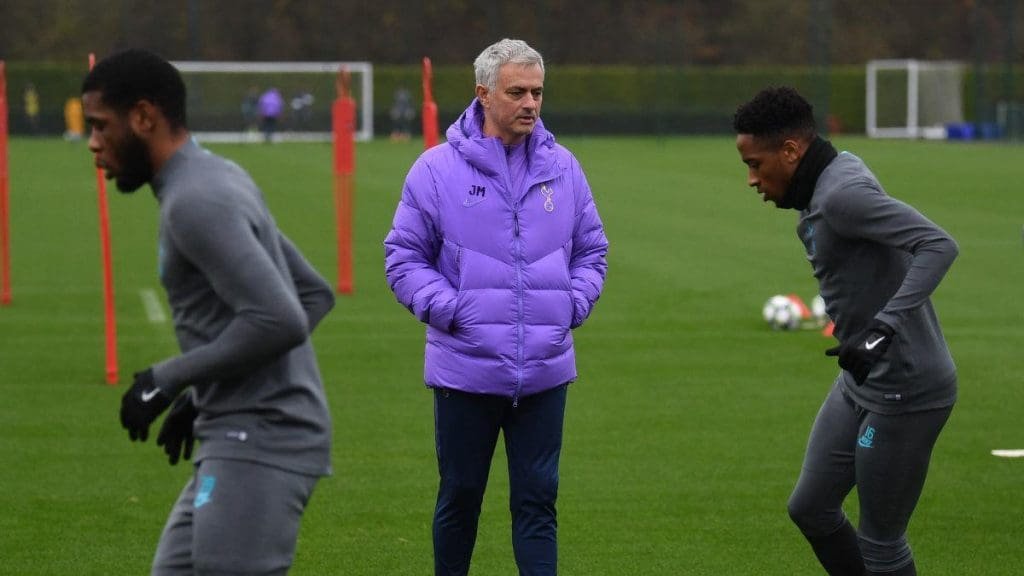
(154, 311)
(1008, 453)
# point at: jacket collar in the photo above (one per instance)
(487, 153)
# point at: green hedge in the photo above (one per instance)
(580, 99)
(649, 99)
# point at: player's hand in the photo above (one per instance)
(176, 432)
(859, 355)
(141, 404)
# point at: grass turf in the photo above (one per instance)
(684, 433)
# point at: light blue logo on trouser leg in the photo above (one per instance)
(206, 484)
(868, 438)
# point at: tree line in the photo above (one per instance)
(601, 32)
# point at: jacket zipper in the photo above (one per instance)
(519, 308)
(519, 293)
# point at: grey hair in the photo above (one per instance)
(500, 53)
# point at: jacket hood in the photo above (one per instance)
(482, 152)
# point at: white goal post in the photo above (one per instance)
(318, 87)
(912, 98)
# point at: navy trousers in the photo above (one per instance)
(466, 432)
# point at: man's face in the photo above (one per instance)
(770, 167)
(115, 146)
(512, 108)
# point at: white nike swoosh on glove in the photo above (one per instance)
(871, 345)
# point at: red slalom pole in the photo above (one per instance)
(5, 231)
(343, 114)
(343, 207)
(430, 131)
(110, 321)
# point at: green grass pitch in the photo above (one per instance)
(684, 433)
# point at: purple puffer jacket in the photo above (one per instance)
(499, 275)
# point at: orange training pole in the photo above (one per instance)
(110, 321)
(430, 132)
(344, 123)
(5, 232)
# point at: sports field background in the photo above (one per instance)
(684, 433)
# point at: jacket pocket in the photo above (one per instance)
(567, 271)
(450, 263)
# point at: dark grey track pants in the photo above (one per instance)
(885, 457)
(234, 517)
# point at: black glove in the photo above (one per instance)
(858, 355)
(141, 404)
(176, 431)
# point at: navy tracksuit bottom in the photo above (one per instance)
(466, 433)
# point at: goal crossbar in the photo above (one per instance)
(363, 69)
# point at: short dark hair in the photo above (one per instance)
(125, 78)
(776, 113)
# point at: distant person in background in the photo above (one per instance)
(30, 97)
(497, 246)
(251, 110)
(302, 109)
(402, 114)
(74, 120)
(877, 261)
(271, 105)
(244, 302)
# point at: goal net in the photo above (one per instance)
(913, 98)
(223, 99)
(1010, 119)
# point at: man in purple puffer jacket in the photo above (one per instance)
(497, 246)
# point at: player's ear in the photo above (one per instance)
(792, 151)
(143, 117)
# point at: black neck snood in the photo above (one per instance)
(818, 155)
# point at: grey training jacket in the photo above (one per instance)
(877, 257)
(244, 302)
